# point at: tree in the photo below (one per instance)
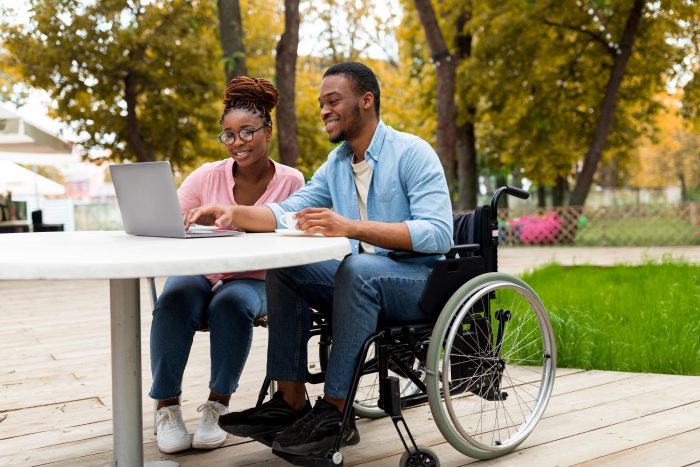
(542, 70)
(445, 69)
(672, 155)
(136, 79)
(285, 72)
(620, 56)
(231, 35)
(465, 151)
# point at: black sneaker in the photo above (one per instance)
(271, 417)
(315, 434)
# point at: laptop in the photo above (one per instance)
(148, 202)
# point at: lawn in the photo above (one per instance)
(639, 231)
(625, 318)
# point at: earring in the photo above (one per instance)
(268, 138)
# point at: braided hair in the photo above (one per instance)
(257, 95)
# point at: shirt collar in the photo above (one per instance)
(375, 146)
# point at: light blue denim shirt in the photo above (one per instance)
(408, 185)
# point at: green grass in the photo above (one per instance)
(644, 231)
(624, 318)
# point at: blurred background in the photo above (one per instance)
(592, 106)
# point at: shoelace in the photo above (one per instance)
(308, 421)
(211, 415)
(169, 417)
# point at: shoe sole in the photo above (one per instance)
(209, 445)
(173, 449)
(317, 448)
(249, 431)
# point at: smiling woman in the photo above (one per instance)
(225, 303)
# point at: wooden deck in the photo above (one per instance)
(55, 401)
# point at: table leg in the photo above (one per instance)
(127, 412)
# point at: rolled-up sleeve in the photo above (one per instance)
(314, 194)
(430, 224)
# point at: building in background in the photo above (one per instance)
(26, 148)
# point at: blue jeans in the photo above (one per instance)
(359, 291)
(184, 306)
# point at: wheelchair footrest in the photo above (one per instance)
(329, 461)
(265, 439)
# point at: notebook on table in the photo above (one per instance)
(148, 202)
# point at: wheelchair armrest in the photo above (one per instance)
(463, 250)
(399, 255)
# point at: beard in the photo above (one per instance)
(351, 129)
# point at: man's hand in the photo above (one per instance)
(389, 235)
(326, 222)
(210, 214)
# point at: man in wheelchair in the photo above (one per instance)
(387, 191)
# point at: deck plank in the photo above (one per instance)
(55, 392)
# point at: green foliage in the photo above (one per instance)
(82, 53)
(624, 318)
(537, 75)
(548, 65)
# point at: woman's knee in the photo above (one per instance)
(239, 302)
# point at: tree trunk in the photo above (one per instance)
(561, 186)
(684, 187)
(607, 107)
(445, 69)
(467, 171)
(136, 142)
(231, 35)
(541, 196)
(285, 72)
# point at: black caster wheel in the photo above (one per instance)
(424, 457)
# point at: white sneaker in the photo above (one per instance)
(208, 434)
(171, 432)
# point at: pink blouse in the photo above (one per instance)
(213, 183)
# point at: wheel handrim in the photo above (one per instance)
(515, 427)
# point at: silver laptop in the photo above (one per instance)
(148, 202)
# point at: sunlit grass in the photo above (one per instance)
(625, 318)
(646, 231)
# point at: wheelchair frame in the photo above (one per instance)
(459, 299)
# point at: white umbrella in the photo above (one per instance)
(21, 181)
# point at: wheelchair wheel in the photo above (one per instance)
(423, 458)
(367, 394)
(491, 365)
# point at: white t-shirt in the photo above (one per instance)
(362, 172)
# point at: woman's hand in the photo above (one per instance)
(210, 214)
(326, 222)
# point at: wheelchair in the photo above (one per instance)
(484, 360)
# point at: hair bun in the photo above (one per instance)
(255, 94)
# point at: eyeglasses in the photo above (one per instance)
(229, 137)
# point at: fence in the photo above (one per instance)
(643, 225)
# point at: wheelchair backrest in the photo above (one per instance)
(474, 254)
(476, 227)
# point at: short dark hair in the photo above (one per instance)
(362, 77)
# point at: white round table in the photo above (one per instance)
(124, 259)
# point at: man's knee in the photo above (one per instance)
(281, 278)
(361, 267)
